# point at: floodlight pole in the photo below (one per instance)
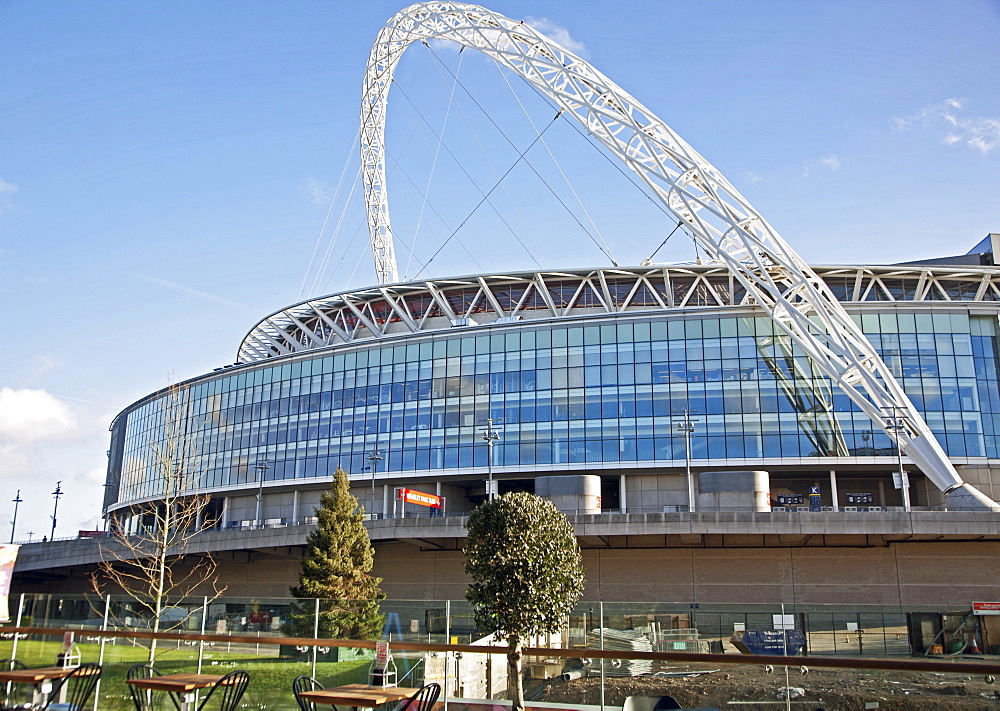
(895, 422)
(262, 468)
(13, 524)
(55, 509)
(374, 457)
(687, 427)
(490, 435)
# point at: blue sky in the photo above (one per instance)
(169, 170)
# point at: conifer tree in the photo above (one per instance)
(336, 570)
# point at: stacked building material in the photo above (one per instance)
(625, 641)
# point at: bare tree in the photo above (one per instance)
(146, 562)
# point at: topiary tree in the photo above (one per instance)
(335, 570)
(524, 561)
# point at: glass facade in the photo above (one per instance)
(588, 396)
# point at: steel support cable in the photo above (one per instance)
(430, 176)
(472, 180)
(538, 260)
(411, 185)
(319, 278)
(558, 167)
(340, 222)
(412, 190)
(649, 259)
(383, 251)
(605, 252)
(329, 213)
(343, 256)
(486, 196)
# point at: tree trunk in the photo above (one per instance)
(515, 687)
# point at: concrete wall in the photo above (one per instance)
(919, 574)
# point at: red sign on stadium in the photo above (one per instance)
(409, 496)
(986, 608)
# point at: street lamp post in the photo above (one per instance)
(13, 524)
(374, 457)
(687, 427)
(490, 435)
(262, 468)
(55, 509)
(894, 422)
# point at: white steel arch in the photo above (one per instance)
(730, 230)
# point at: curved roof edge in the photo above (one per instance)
(378, 312)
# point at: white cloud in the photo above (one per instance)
(319, 194)
(981, 133)
(557, 33)
(6, 190)
(830, 162)
(753, 177)
(29, 421)
(32, 415)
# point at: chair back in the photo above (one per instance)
(80, 684)
(650, 703)
(142, 698)
(228, 691)
(423, 700)
(305, 683)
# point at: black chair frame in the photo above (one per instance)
(423, 700)
(305, 683)
(143, 698)
(227, 691)
(80, 684)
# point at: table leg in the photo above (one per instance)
(187, 700)
(41, 693)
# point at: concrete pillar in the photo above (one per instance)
(295, 506)
(224, 518)
(622, 495)
(881, 493)
(833, 490)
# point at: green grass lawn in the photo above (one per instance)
(270, 677)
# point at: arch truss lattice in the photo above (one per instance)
(723, 222)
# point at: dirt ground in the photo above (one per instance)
(746, 686)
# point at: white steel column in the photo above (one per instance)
(622, 494)
(833, 490)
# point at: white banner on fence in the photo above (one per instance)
(8, 555)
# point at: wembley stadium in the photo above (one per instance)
(583, 373)
(744, 427)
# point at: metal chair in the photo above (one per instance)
(80, 684)
(650, 703)
(143, 698)
(227, 691)
(423, 700)
(305, 683)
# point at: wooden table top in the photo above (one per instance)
(176, 682)
(358, 695)
(34, 676)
